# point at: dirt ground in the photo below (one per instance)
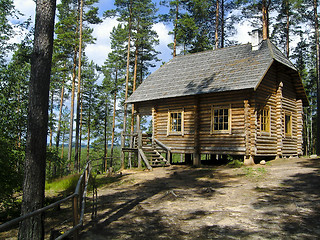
(279, 200)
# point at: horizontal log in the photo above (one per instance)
(225, 148)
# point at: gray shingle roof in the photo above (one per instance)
(226, 69)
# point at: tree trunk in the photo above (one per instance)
(265, 20)
(105, 138)
(175, 31)
(133, 89)
(61, 107)
(222, 23)
(72, 99)
(35, 158)
(80, 134)
(76, 159)
(316, 25)
(217, 25)
(127, 82)
(60, 114)
(287, 28)
(88, 125)
(114, 118)
(62, 147)
(51, 119)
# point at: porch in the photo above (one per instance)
(141, 148)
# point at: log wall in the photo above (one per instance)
(232, 142)
(177, 142)
(277, 92)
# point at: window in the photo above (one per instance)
(175, 122)
(288, 124)
(265, 120)
(220, 121)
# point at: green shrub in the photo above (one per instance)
(235, 163)
(11, 174)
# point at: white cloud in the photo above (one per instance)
(243, 30)
(164, 39)
(26, 7)
(163, 33)
(98, 52)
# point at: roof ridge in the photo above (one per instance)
(212, 50)
(269, 43)
(272, 46)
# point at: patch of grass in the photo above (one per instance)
(254, 173)
(66, 184)
(101, 180)
(261, 170)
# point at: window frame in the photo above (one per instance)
(288, 114)
(268, 118)
(219, 107)
(169, 122)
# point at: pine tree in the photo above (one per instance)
(89, 95)
(173, 16)
(316, 30)
(199, 24)
(287, 23)
(144, 39)
(257, 12)
(113, 71)
(68, 36)
(7, 10)
(34, 180)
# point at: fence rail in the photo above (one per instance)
(78, 205)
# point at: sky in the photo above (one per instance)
(98, 52)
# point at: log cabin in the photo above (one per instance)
(244, 100)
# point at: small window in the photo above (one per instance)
(175, 122)
(220, 119)
(265, 120)
(288, 124)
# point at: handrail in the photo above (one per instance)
(79, 222)
(67, 233)
(36, 212)
(144, 158)
(162, 145)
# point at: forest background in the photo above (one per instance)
(95, 69)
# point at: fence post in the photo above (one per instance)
(122, 152)
(139, 147)
(75, 208)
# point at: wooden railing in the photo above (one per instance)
(127, 143)
(164, 147)
(128, 146)
(78, 206)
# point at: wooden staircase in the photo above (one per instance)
(149, 150)
(155, 158)
(153, 152)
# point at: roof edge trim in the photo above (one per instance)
(264, 74)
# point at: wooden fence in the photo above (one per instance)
(78, 199)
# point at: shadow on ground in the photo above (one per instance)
(289, 211)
